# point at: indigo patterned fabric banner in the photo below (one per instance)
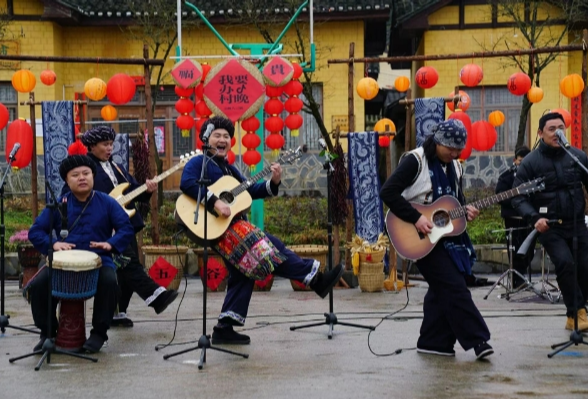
(364, 185)
(58, 134)
(120, 150)
(427, 113)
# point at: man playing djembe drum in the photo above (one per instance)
(91, 218)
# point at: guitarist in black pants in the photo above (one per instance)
(422, 176)
(285, 263)
(131, 274)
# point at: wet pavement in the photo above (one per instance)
(305, 363)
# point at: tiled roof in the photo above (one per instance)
(406, 9)
(118, 8)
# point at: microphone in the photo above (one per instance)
(209, 129)
(561, 136)
(14, 151)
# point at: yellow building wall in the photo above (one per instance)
(496, 70)
(46, 38)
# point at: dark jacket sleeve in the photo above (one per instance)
(189, 182)
(391, 192)
(522, 203)
(39, 233)
(505, 181)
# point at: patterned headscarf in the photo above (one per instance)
(98, 134)
(451, 133)
(75, 161)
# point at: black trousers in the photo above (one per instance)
(519, 263)
(104, 302)
(558, 244)
(449, 311)
(133, 279)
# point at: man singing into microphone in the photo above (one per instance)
(218, 132)
(563, 198)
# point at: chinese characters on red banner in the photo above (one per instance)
(576, 132)
(278, 72)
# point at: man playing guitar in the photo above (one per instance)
(218, 132)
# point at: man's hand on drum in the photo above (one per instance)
(101, 245)
(58, 246)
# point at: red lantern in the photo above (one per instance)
(518, 84)
(463, 117)
(233, 141)
(384, 141)
(181, 92)
(250, 140)
(251, 158)
(120, 89)
(48, 77)
(200, 91)
(293, 105)
(205, 70)
(483, 135)
(231, 157)
(274, 91)
(202, 108)
(467, 150)
(198, 125)
(185, 122)
(4, 116)
(250, 124)
(184, 106)
(565, 114)
(292, 88)
(21, 132)
(294, 121)
(273, 106)
(426, 77)
(464, 101)
(275, 141)
(297, 70)
(471, 75)
(274, 124)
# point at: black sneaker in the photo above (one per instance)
(483, 350)
(121, 320)
(164, 300)
(227, 335)
(324, 281)
(39, 346)
(94, 343)
(436, 352)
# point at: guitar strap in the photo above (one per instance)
(119, 170)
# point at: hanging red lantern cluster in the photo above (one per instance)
(21, 132)
(274, 124)
(200, 106)
(294, 105)
(250, 141)
(184, 106)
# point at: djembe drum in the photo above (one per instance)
(74, 280)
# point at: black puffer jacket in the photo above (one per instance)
(563, 197)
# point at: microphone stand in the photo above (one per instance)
(330, 317)
(49, 343)
(576, 337)
(4, 318)
(204, 341)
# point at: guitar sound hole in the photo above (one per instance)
(441, 218)
(227, 197)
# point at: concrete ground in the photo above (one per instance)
(305, 363)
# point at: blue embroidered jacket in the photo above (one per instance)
(96, 223)
(216, 169)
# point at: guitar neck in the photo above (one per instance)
(143, 188)
(248, 182)
(487, 202)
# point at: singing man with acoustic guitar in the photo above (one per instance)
(242, 241)
(422, 176)
(132, 277)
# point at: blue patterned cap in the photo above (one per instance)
(451, 133)
(98, 134)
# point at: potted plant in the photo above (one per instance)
(28, 256)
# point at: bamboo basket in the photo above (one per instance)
(222, 286)
(375, 257)
(371, 276)
(265, 285)
(315, 251)
(176, 256)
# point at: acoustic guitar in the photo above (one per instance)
(229, 190)
(124, 199)
(448, 217)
